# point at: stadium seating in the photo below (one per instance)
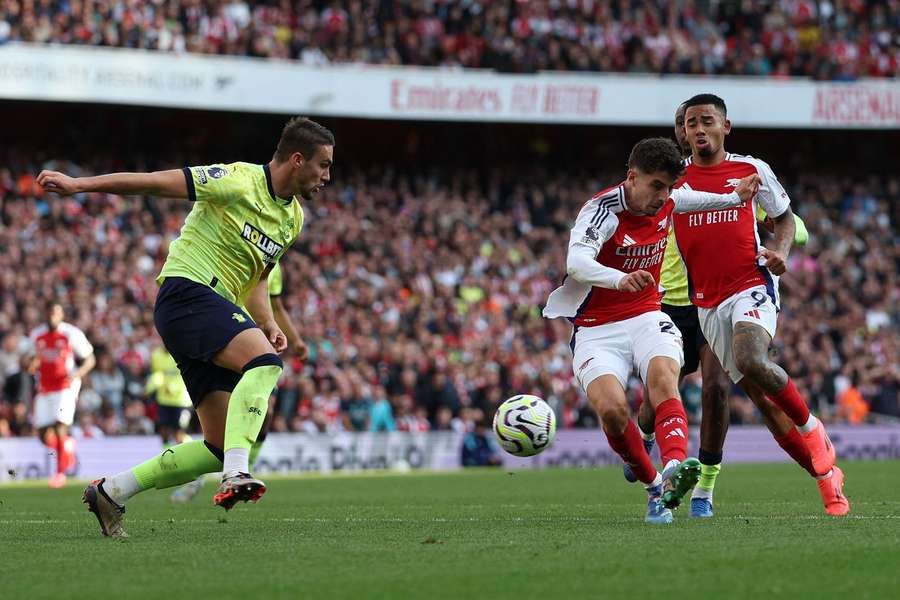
(803, 38)
(422, 297)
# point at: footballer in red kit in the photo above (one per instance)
(56, 345)
(612, 297)
(733, 279)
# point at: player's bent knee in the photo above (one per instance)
(751, 365)
(268, 359)
(614, 415)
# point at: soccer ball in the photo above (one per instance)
(524, 425)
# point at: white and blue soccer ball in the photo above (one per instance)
(524, 425)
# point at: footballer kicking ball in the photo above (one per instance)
(524, 425)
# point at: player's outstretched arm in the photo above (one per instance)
(687, 200)
(169, 184)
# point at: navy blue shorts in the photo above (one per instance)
(687, 321)
(173, 417)
(195, 323)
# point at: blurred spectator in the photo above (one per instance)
(779, 38)
(108, 382)
(479, 448)
(851, 407)
(419, 295)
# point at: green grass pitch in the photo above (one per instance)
(477, 534)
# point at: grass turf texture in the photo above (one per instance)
(476, 534)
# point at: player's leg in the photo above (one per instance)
(179, 420)
(256, 448)
(787, 436)
(646, 420)
(607, 396)
(679, 472)
(251, 354)
(602, 361)
(751, 353)
(754, 319)
(659, 356)
(713, 428)
(175, 465)
(57, 414)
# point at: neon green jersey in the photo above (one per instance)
(236, 228)
(165, 380)
(673, 277)
(276, 284)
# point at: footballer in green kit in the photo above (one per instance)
(244, 217)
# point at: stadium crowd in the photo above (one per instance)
(823, 39)
(419, 297)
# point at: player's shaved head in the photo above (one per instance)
(655, 155)
(707, 99)
(304, 136)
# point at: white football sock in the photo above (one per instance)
(700, 492)
(237, 460)
(121, 487)
(809, 425)
(656, 481)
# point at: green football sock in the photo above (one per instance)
(248, 405)
(708, 474)
(254, 451)
(176, 465)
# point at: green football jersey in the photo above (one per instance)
(673, 277)
(276, 284)
(236, 228)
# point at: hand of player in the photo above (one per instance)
(275, 336)
(636, 281)
(775, 261)
(748, 186)
(60, 183)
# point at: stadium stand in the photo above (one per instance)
(419, 293)
(823, 40)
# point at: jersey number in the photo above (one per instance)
(666, 327)
(759, 297)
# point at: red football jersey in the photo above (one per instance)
(623, 243)
(56, 351)
(636, 243)
(719, 247)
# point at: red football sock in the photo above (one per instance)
(671, 430)
(68, 455)
(631, 448)
(49, 440)
(791, 402)
(792, 443)
(61, 454)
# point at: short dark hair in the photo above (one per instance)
(702, 99)
(652, 155)
(304, 136)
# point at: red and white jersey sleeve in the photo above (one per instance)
(596, 221)
(719, 247)
(771, 196)
(622, 241)
(56, 351)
